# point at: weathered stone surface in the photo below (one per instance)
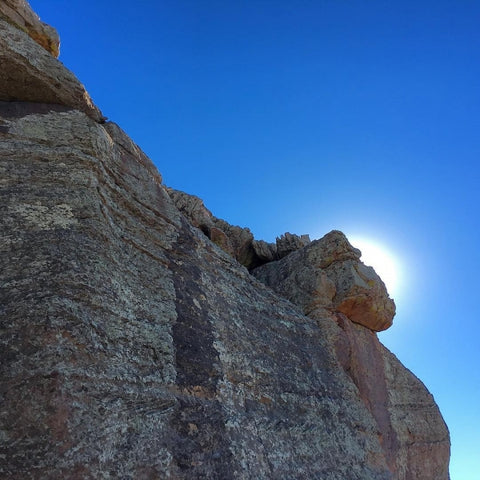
(234, 240)
(29, 73)
(414, 437)
(266, 252)
(237, 241)
(313, 278)
(132, 344)
(20, 14)
(328, 273)
(424, 440)
(193, 208)
(241, 240)
(133, 347)
(86, 316)
(289, 242)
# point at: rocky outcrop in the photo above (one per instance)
(134, 346)
(20, 14)
(288, 243)
(236, 241)
(328, 273)
(31, 74)
(324, 279)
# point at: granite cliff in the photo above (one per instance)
(143, 338)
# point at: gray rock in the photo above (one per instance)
(266, 252)
(31, 74)
(194, 210)
(132, 346)
(288, 243)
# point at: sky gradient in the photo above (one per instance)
(309, 116)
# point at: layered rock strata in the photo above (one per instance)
(30, 73)
(133, 346)
(20, 14)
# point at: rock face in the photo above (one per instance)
(328, 281)
(136, 346)
(20, 14)
(328, 273)
(30, 73)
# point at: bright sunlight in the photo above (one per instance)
(384, 262)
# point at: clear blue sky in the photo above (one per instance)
(305, 116)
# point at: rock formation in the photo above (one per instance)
(135, 343)
(19, 14)
(235, 240)
(328, 281)
(30, 73)
(328, 273)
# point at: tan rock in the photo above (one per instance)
(329, 283)
(361, 295)
(30, 74)
(220, 238)
(413, 435)
(241, 241)
(20, 14)
(328, 273)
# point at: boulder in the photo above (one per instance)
(328, 273)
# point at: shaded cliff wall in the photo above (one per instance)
(135, 347)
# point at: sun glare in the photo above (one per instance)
(384, 262)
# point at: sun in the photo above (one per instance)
(384, 262)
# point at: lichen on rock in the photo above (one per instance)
(135, 343)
